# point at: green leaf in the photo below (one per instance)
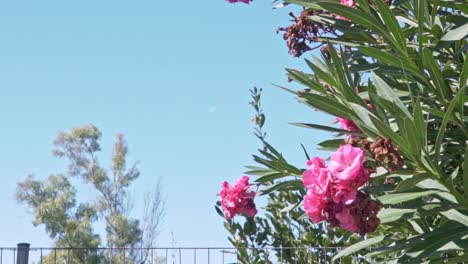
(387, 93)
(420, 244)
(387, 215)
(419, 121)
(410, 182)
(356, 16)
(258, 171)
(392, 24)
(438, 238)
(332, 144)
(291, 207)
(321, 73)
(396, 198)
(443, 126)
(390, 59)
(465, 173)
(270, 177)
(364, 115)
(359, 246)
(218, 210)
(343, 76)
(456, 34)
(304, 3)
(324, 128)
(435, 73)
(455, 215)
(434, 184)
(327, 104)
(414, 136)
(464, 74)
(278, 165)
(306, 80)
(284, 185)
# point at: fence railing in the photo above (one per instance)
(23, 254)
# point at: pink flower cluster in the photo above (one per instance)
(350, 3)
(242, 1)
(333, 190)
(237, 199)
(347, 124)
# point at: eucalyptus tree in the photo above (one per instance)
(70, 224)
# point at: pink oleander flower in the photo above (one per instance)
(342, 193)
(242, 1)
(370, 106)
(237, 199)
(347, 163)
(347, 220)
(317, 177)
(350, 3)
(315, 207)
(334, 195)
(347, 124)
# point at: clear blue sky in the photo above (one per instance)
(173, 76)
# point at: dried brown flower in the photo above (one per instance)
(382, 150)
(303, 33)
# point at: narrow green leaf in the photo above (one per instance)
(364, 5)
(421, 242)
(329, 105)
(464, 74)
(421, 6)
(343, 76)
(388, 215)
(443, 126)
(356, 16)
(291, 207)
(435, 73)
(305, 151)
(455, 34)
(359, 246)
(270, 177)
(435, 241)
(332, 144)
(258, 171)
(391, 59)
(384, 90)
(414, 136)
(324, 128)
(392, 24)
(218, 210)
(304, 3)
(322, 74)
(396, 198)
(410, 182)
(284, 185)
(455, 215)
(306, 80)
(419, 121)
(465, 173)
(364, 115)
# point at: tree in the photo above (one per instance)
(393, 75)
(53, 201)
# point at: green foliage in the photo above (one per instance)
(409, 60)
(69, 224)
(283, 231)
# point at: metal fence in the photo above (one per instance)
(23, 254)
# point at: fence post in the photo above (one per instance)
(23, 253)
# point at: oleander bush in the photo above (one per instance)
(393, 75)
